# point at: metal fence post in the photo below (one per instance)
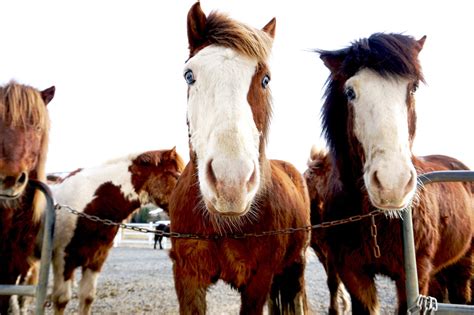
(40, 290)
(411, 281)
(46, 249)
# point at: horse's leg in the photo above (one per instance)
(156, 240)
(459, 291)
(191, 291)
(424, 268)
(160, 239)
(288, 291)
(87, 290)
(30, 279)
(361, 287)
(333, 282)
(402, 296)
(254, 295)
(62, 292)
(194, 270)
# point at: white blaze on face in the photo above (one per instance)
(381, 126)
(223, 132)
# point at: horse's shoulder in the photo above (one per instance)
(287, 175)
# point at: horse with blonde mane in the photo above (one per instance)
(24, 130)
(229, 187)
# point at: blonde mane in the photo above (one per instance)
(23, 106)
(251, 42)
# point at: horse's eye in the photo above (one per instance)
(350, 93)
(414, 88)
(265, 81)
(189, 77)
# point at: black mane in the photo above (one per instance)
(387, 55)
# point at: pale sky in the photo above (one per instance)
(118, 70)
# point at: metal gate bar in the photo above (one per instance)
(411, 281)
(40, 290)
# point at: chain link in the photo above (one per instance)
(373, 232)
(235, 236)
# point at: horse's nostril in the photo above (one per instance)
(22, 178)
(253, 179)
(211, 176)
(376, 181)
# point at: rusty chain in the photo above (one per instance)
(355, 218)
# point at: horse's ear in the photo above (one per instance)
(332, 59)
(151, 157)
(270, 28)
(169, 154)
(48, 94)
(421, 43)
(196, 26)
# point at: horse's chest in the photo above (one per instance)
(239, 260)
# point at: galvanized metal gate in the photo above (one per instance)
(39, 291)
(414, 301)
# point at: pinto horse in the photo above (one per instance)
(112, 191)
(369, 122)
(24, 134)
(229, 186)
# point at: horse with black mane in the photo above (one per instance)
(369, 122)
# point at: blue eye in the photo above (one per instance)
(265, 81)
(350, 93)
(189, 77)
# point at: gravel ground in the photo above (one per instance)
(140, 281)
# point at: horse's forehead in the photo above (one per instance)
(218, 58)
(367, 79)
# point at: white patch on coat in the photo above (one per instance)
(221, 121)
(77, 192)
(381, 126)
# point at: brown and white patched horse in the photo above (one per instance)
(24, 129)
(369, 122)
(112, 191)
(229, 186)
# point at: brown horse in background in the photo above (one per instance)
(24, 130)
(317, 178)
(369, 122)
(229, 186)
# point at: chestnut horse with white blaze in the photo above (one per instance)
(369, 122)
(24, 134)
(229, 186)
(112, 191)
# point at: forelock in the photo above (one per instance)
(251, 42)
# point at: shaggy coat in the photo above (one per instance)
(442, 212)
(24, 130)
(258, 267)
(112, 191)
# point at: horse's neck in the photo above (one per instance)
(346, 192)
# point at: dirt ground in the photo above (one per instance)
(140, 281)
